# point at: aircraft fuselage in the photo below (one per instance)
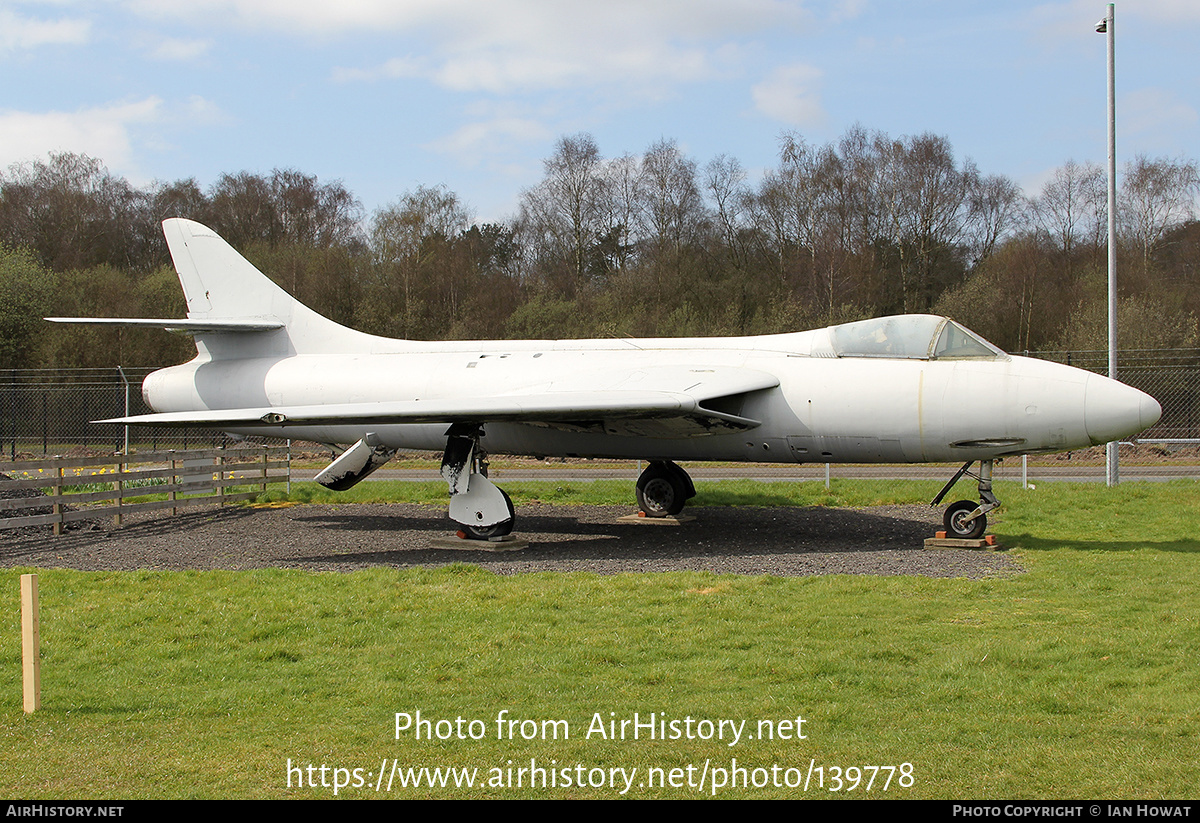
(825, 408)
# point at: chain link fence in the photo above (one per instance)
(48, 412)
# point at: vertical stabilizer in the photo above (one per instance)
(221, 285)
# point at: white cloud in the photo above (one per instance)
(844, 10)
(99, 132)
(1173, 11)
(790, 94)
(532, 19)
(481, 138)
(1155, 117)
(397, 67)
(176, 49)
(518, 45)
(199, 111)
(22, 33)
(110, 133)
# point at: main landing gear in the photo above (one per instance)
(481, 508)
(483, 511)
(965, 519)
(663, 488)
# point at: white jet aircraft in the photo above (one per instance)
(910, 388)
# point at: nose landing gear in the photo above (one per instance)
(965, 519)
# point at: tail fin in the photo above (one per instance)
(221, 285)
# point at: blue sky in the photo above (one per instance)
(472, 94)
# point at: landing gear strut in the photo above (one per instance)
(482, 509)
(663, 488)
(965, 519)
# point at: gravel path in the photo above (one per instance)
(883, 540)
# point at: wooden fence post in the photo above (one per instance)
(31, 663)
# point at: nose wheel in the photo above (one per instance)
(967, 520)
(964, 521)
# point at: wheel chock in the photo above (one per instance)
(667, 520)
(988, 541)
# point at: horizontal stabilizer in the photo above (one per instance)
(186, 326)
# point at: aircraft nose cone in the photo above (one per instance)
(1113, 410)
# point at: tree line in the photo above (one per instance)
(654, 244)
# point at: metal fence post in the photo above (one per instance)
(119, 487)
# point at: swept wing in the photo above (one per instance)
(706, 401)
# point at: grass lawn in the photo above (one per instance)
(1078, 679)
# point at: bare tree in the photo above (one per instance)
(411, 243)
(619, 204)
(997, 209)
(1156, 196)
(314, 214)
(287, 207)
(183, 198)
(673, 208)
(73, 213)
(562, 215)
(725, 183)
(1071, 208)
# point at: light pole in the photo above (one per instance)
(1105, 26)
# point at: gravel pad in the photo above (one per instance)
(880, 540)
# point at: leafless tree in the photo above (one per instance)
(1071, 208)
(1156, 196)
(73, 214)
(619, 203)
(411, 243)
(725, 183)
(562, 216)
(672, 206)
(998, 208)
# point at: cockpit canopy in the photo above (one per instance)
(913, 337)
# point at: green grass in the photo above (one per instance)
(1078, 679)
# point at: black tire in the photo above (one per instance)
(957, 528)
(684, 478)
(662, 490)
(501, 529)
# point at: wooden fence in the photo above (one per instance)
(77, 488)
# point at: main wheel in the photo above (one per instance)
(956, 522)
(504, 527)
(661, 491)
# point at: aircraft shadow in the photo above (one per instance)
(748, 540)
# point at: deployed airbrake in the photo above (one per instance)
(903, 389)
